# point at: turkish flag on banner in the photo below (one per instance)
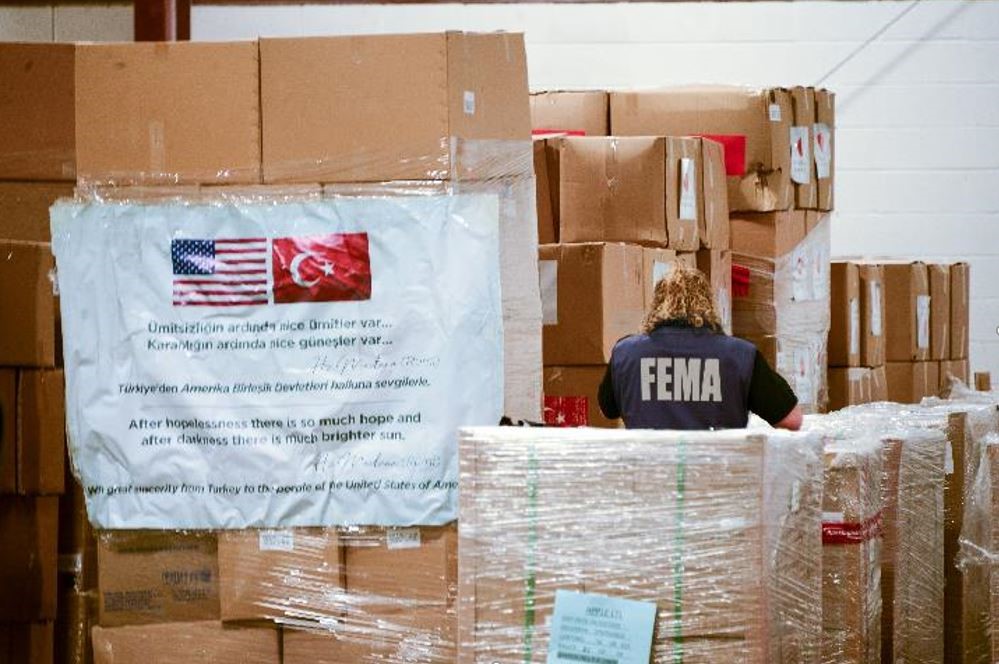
(321, 268)
(566, 411)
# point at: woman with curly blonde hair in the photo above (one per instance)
(683, 372)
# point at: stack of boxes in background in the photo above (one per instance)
(36, 168)
(614, 213)
(856, 334)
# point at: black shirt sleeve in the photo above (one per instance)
(605, 396)
(770, 396)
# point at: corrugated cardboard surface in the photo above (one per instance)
(683, 230)
(544, 200)
(28, 557)
(26, 296)
(939, 276)
(187, 642)
(909, 382)
(599, 299)
(872, 315)
(8, 431)
(613, 189)
(585, 111)
(41, 431)
(768, 235)
(904, 283)
(77, 615)
(849, 386)
(714, 229)
(806, 196)
(844, 300)
(580, 383)
(825, 112)
(717, 266)
(148, 576)
(179, 112)
(24, 208)
(261, 581)
(36, 112)
(959, 290)
(27, 643)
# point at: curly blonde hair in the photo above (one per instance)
(683, 294)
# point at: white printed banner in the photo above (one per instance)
(277, 365)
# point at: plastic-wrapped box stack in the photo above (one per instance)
(720, 530)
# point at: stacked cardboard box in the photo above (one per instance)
(719, 530)
(856, 334)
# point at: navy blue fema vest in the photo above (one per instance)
(683, 378)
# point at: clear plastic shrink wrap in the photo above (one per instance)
(720, 530)
(414, 123)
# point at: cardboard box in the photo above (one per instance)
(687, 258)
(576, 112)
(279, 574)
(684, 193)
(959, 290)
(845, 327)
(177, 643)
(656, 264)
(849, 386)
(873, 315)
(545, 203)
(959, 369)
(717, 267)
(399, 103)
(36, 112)
(27, 296)
(714, 231)
(813, 218)
(28, 557)
(613, 189)
(27, 642)
(77, 540)
(24, 207)
(177, 112)
(41, 432)
(803, 167)
(939, 311)
(909, 382)
(768, 235)
(571, 397)
(754, 126)
(8, 431)
(907, 312)
(77, 616)
(879, 384)
(824, 148)
(150, 576)
(591, 296)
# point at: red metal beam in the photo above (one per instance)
(162, 20)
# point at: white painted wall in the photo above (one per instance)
(112, 22)
(918, 110)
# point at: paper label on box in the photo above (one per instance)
(774, 112)
(801, 284)
(299, 363)
(949, 459)
(661, 269)
(875, 305)
(854, 326)
(801, 155)
(403, 538)
(688, 190)
(725, 309)
(923, 321)
(794, 503)
(803, 386)
(820, 271)
(548, 273)
(276, 540)
(596, 629)
(468, 101)
(822, 147)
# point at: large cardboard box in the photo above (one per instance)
(571, 397)
(754, 125)
(150, 576)
(879, 384)
(958, 369)
(24, 207)
(279, 574)
(399, 104)
(714, 229)
(717, 267)
(959, 307)
(656, 264)
(77, 616)
(178, 112)
(872, 318)
(577, 112)
(768, 235)
(28, 557)
(28, 305)
(845, 320)
(907, 309)
(613, 189)
(591, 296)
(8, 431)
(40, 434)
(849, 386)
(36, 112)
(186, 642)
(824, 148)
(939, 276)
(909, 382)
(27, 643)
(803, 173)
(684, 193)
(545, 202)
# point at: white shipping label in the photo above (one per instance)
(801, 155)
(468, 100)
(774, 112)
(600, 629)
(688, 190)
(822, 147)
(548, 273)
(854, 326)
(661, 269)
(874, 301)
(949, 459)
(403, 538)
(277, 540)
(923, 321)
(801, 282)
(820, 271)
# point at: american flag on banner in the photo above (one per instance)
(219, 273)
